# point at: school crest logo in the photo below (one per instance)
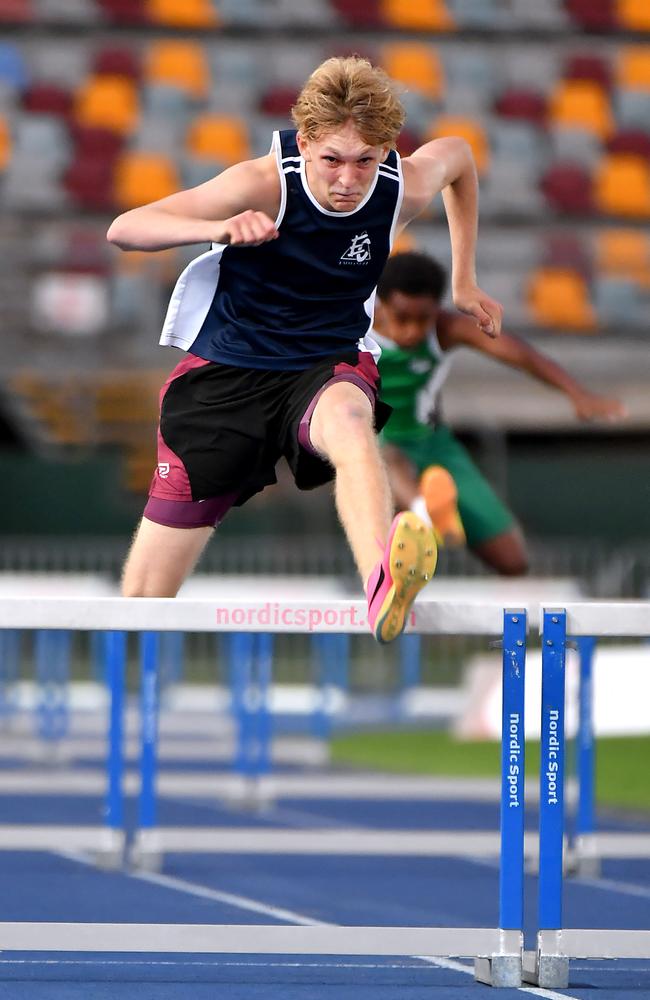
(359, 250)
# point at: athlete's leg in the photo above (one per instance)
(341, 429)
(505, 553)
(161, 558)
(394, 560)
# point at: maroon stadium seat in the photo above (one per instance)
(583, 66)
(567, 188)
(359, 13)
(117, 60)
(528, 105)
(594, 15)
(47, 98)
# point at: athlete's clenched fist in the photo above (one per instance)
(249, 228)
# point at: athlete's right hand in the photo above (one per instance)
(248, 229)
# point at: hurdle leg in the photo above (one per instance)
(146, 852)
(111, 851)
(585, 849)
(548, 966)
(52, 654)
(10, 643)
(505, 967)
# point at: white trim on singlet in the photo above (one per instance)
(367, 342)
(326, 211)
(276, 147)
(400, 197)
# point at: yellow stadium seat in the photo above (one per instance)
(144, 177)
(415, 65)
(633, 67)
(470, 130)
(5, 143)
(219, 137)
(425, 15)
(622, 185)
(558, 296)
(184, 14)
(582, 104)
(623, 252)
(633, 14)
(181, 64)
(109, 102)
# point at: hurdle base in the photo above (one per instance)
(499, 970)
(546, 971)
(252, 793)
(110, 853)
(583, 858)
(146, 853)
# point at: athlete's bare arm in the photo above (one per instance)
(238, 206)
(457, 331)
(447, 166)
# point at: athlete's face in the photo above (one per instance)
(406, 319)
(341, 166)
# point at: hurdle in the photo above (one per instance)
(105, 842)
(497, 951)
(548, 965)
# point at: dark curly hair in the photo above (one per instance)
(413, 273)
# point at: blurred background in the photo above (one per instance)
(107, 104)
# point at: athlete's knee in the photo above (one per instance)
(348, 431)
(516, 564)
(506, 554)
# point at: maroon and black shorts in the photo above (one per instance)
(223, 429)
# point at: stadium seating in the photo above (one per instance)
(468, 129)
(559, 125)
(426, 15)
(416, 66)
(582, 104)
(180, 64)
(144, 177)
(559, 297)
(195, 14)
(218, 138)
(633, 15)
(622, 185)
(109, 102)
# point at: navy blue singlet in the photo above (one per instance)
(310, 293)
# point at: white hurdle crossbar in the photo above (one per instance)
(497, 950)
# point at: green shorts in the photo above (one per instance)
(483, 515)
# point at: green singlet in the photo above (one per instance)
(410, 382)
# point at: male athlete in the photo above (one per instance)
(276, 320)
(429, 470)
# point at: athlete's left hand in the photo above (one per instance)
(589, 406)
(487, 311)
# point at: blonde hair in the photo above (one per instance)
(346, 89)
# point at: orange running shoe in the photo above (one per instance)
(408, 562)
(441, 497)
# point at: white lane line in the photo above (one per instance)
(215, 964)
(214, 895)
(231, 899)
(611, 885)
